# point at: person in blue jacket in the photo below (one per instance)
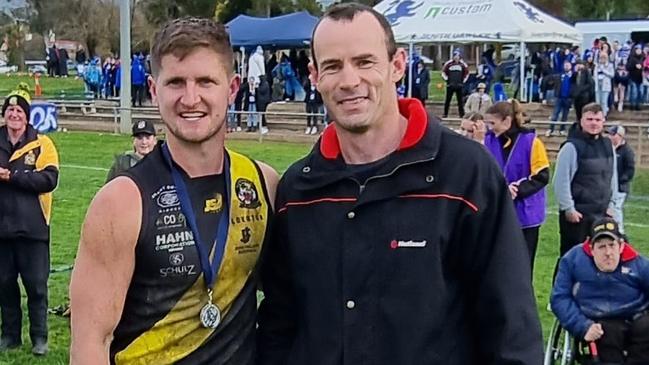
(138, 81)
(601, 294)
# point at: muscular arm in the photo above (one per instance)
(272, 178)
(103, 270)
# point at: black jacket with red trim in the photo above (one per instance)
(26, 199)
(424, 263)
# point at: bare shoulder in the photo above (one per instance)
(114, 216)
(271, 177)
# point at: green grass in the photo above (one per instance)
(77, 187)
(52, 87)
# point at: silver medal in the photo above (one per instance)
(210, 316)
(210, 313)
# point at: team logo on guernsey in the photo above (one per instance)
(247, 194)
(30, 158)
(168, 199)
(214, 205)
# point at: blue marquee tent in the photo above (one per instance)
(291, 30)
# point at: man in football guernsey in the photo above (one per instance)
(166, 268)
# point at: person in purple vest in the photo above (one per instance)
(522, 157)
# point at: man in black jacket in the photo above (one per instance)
(28, 175)
(625, 170)
(395, 239)
(583, 88)
(262, 99)
(455, 72)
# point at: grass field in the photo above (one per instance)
(85, 158)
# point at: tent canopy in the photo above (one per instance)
(502, 21)
(290, 30)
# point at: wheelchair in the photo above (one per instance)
(563, 349)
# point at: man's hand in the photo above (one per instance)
(4, 174)
(594, 333)
(513, 190)
(479, 131)
(573, 216)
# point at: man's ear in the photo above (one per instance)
(152, 89)
(313, 74)
(235, 84)
(399, 65)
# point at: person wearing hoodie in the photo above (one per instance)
(138, 81)
(634, 66)
(92, 77)
(256, 64)
(455, 72)
(601, 294)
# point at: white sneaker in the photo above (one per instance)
(264, 130)
(308, 130)
(314, 130)
(563, 133)
(548, 133)
(238, 129)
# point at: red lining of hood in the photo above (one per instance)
(412, 109)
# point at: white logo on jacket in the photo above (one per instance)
(407, 244)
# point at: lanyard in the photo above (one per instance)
(210, 270)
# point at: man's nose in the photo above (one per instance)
(191, 96)
(348, 77)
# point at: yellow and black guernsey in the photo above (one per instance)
(26, 199)
(160, 321)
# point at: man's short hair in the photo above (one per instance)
(592, 108)
(180, 37)
(347, 12)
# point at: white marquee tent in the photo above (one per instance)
(469, 21)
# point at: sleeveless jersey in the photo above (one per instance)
(160, 321)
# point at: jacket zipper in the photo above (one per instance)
(376, 177)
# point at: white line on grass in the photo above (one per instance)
(626, 223)
(85, 167)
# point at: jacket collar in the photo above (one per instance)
(325, 164)
(412, 109)
(628, 252)
(29, 135)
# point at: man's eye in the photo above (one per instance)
(365, 63)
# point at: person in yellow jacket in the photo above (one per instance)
(29, 171)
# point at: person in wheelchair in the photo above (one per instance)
(601, 294)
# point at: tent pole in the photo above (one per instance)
(410, 67)
(243, 62)
(522, 73)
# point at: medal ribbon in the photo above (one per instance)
(210, 270)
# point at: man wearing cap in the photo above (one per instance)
(601, 294)
(625, 159)
(28, 174)
(479, 101)
(455, 72)
(144, 141)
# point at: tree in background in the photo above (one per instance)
(600, 9)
